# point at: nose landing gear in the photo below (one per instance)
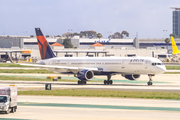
(150, 79)
(108, 81)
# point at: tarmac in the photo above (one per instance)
(77, 108)
(163, 82)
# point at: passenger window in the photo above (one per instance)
(153, 64)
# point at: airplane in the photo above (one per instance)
(85, 68)
(175, 50)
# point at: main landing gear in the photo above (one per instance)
(81, 82)
(150, 80)
(108, 81)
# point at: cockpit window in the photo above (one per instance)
(153, 64)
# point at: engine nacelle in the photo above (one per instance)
(131, 77)
(85, 74)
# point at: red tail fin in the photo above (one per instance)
(44, 47)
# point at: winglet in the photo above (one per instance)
(44, 47)
(174, 46)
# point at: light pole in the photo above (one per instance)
(109, 34)
(164, 33)
(70, 30)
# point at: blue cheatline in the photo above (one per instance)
(98, 106)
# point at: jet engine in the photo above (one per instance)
(131, 77)
(85, 74)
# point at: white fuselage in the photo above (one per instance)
(122, 65)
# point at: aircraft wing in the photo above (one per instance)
(72, 69)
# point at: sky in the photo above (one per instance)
(142, 18)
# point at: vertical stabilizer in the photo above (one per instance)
(44, 47)
(174, 46)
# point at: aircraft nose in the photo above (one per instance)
(162, 69)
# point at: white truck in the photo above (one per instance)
(8, 99)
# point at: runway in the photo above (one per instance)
(162, 83)
(77, 108)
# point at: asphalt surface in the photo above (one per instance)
(163, 82)
(78, 108)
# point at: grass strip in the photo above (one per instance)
(36, 79)
(171, 73)
(23, 78)
(173, 67)
(12, 65)
(32, 79)
(105, 93)
(42, 71)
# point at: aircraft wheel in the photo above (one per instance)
(149, 83)
(111, 82)
(84, 82)
(79, 82)
(105, 82)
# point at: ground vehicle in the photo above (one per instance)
(8, 99)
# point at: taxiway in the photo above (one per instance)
(77, 108)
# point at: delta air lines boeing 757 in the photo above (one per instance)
(85, 68)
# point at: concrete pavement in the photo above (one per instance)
(77, 108)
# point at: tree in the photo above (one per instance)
(76, 34)
(67, 44)
(88, 34)
(99, 35)
(117, 35)
(167, 40)
(125, 33)
(67, 35)
(110, 37)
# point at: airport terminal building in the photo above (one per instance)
(84, 47)
(31, 42)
